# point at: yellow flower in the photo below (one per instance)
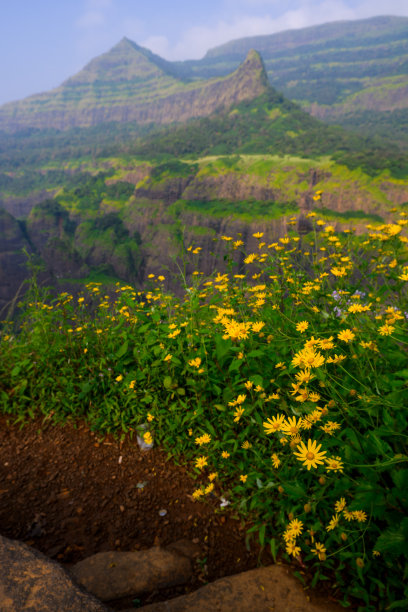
(308, 358)
(360, 516)
(275, 460)
(386, 330)
(197, 493)
(346, 335)
(209, 488)
(204, 439)
(302, 326)
(147, 437)
(320, 551)
(150, 417)
(174, 333)
(238, 414)
(249, 384)
(258, 235)
(292, 549)
(119, 378)
(212, 476)
(235, 330)
(304, 376)
(240, 399)
(311, 455)
(195, 363)
(338, 271)
(334, 464)
(291, 427)
(256, 327)
(295, 527)
(274, 424)
(201, 462)
(333, 523)
(251, 258)
(225, 454)
(246, 445)
(340, 504)
(243, 477)
(168, 357)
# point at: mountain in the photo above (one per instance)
(354, 73)
(130, 83)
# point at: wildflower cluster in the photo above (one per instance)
(283, 383)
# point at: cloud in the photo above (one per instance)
(94, 15)
(159, 45)
(196, 41)
(91, 19)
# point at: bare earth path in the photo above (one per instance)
(70, 493)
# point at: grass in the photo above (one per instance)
(284, 384)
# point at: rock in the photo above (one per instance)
(113, 575)
(186, 548)
(31, 582)
(264, 589)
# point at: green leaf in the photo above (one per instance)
(167, 382)
(401, 604)
(392, 541)
(294, 490)
(274, 548)
(143, 329)
(235, 365)
(123, 350)
(261, 534)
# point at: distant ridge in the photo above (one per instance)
(352, 73)
(130, 83)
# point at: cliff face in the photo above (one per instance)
(126, 85)
(13, 269)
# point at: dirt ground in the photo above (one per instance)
(70, 493)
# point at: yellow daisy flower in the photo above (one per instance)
(311, 455)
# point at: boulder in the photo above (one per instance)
(31, 582)
(266, 589)
(113, 575)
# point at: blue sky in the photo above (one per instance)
(42, 42)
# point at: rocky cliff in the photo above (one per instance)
(13, 261)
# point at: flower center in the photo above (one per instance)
(294, 430)
(310, 456)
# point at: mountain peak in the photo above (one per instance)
(250, 76)
(126, 61)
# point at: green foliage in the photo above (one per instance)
(288, 395)
(244, 209)
(173, 167)
(349, 215)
